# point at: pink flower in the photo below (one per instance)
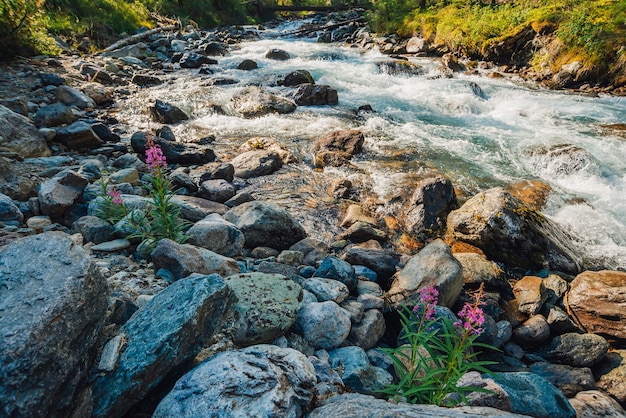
(116, 195)
(472, 316)
(428, 302)
(155, 159)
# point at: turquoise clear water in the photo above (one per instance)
(423, 125)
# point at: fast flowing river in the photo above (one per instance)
(480, 138)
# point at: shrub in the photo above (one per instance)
(438, 353)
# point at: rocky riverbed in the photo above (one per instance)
(279, 301)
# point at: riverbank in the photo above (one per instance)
(292, 243)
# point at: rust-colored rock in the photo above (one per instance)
(530, 294)
(532, 193)
(597, 300)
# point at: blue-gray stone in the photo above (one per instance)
(357, 372)
(161, 337)
(334, 268)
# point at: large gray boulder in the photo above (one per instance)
(218, 235)
(9, 212)
(257, 381)
(433, 266)
(55, 114)
(52, 310)
(59, 194)
(161, 338)
(254, 102)
(69, 96)
(267, 306)
(19, 135)
(266, 225)
(355, 405)
(511, 232)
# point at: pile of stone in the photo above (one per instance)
(252, 315)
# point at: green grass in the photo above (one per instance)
(592, 31)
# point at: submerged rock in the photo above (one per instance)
(167, 113)
(253, 102)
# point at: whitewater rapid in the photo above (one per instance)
(480, 132)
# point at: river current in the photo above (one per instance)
(480, 132)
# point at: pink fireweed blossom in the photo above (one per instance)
(428, 303)
(472, 316)
(155, 159)
(116, 195)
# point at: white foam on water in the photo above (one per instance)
(479, 137)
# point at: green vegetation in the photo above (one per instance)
(591, 32)
(27, 26)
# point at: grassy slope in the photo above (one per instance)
(590, 31)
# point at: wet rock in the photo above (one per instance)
(161, 338)
(53, 305)
(214, 171)
(532, 395)
(266, 224)
(380, 261)
(277, 54)
(597, 300)
(326, 289)
(183, 259)
(532, 193)
(433, 266)
(323, 324)
(349, 141)
(315, 95)
(253, 102)
(354, 405)
(167, 113)
(175, 152)
(267, 306)
(59, 194)
(399, 67)
(19, 135)
(452, 63)
(532, 332)
(508, 231)
(369, 330)
(195, 209)
(218, 235)
(71, 97)
(563, 159)
(337, 269)
(577, 350)
(247, 65)
(570, 380)
(429, 206)
(596, 404)
(55, 114)
(216, 190)
(416, 45)
(78, 135)
(340, 188)
(264, 379)
(215, 49)
(93, 229)
(195, 60)
(610, 373)
(356, 370)
(361, 232)
(295, 78)
(256, 163)
(9, 212)
(356, 213)
(145, 80)
(530, 294)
